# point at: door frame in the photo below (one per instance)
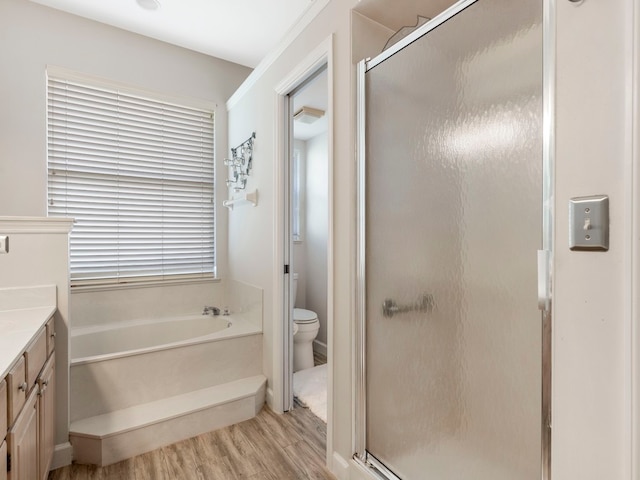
(282, 306)
(545, 269)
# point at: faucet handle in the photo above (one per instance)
(213, 310)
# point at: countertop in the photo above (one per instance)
(17, 328)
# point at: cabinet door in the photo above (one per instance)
(17, 387)
(23, 441)
(3, 461)
(46, 385)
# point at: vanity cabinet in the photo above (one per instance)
(27, 399)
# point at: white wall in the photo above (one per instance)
(592, 349)
(299, 247)
(592, 291)
(251, 230)
(34, 37)
(316, 229)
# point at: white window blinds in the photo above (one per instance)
(137, 174)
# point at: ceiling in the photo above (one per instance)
(240, 31)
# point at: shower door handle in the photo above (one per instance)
(424, 304)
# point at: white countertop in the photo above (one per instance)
(17, 329)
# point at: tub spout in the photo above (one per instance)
(212, 310)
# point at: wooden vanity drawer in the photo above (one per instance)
(51, 336)
(3, 409)
(17, 388)
(35, 356)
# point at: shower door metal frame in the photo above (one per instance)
(359, 432)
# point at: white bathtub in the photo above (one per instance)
(127, 363)
(135, 337)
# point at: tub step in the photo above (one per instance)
(115, 436)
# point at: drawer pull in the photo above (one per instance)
(23, 387)
(53, 335)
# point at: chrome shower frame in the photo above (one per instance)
(359, 432)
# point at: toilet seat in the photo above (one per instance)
(301, 316)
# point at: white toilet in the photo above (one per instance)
(305, 330)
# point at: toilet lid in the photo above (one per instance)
(300, 315)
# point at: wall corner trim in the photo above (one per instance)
(62, 455)
(35, 225)
(302, 23)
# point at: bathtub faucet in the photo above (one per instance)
(212, 310)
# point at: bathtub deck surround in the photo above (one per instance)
(137, 385)
(105, 382)
(121, 434)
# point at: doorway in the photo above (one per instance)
(319, 63)
(308, 240)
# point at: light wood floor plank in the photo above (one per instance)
(304, 456)
(308, 427)
(264, 476)
(211, 465)
(268, 447)
(274, 458)
(319, 358)
(124, 469)
(242, 456)
(180, 460)
(278, 430)
(151, 466)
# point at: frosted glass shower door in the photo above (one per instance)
(453, 187)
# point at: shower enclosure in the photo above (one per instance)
(453, 183)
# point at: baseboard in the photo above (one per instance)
(269, 399)
(62, 455)
(320, 347)
(358, 471)
(340, 467)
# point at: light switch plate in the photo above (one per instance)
(589, 223)
(4, 243)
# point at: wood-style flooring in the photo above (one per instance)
(268, 447)
(319, 358)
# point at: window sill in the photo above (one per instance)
(133, 285)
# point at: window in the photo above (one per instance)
(296, 196)
(137, 174)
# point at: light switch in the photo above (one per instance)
(589, 223)
(4, 243)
